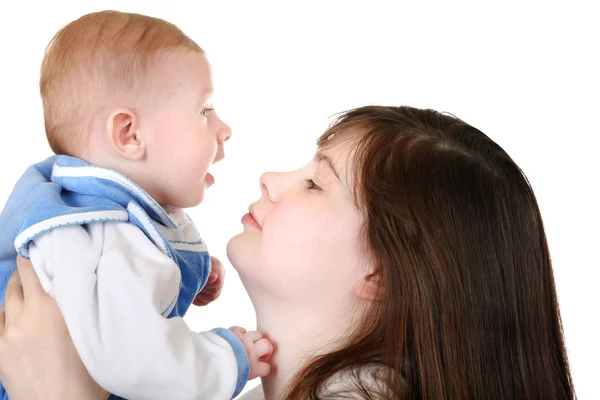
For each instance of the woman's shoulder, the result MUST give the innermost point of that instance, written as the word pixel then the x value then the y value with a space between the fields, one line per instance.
pixel 370 380
pixel 254 394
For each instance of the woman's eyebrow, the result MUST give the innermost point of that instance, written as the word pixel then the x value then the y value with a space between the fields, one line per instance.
pixel 320 157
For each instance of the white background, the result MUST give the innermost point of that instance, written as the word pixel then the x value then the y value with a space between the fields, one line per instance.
pixel 526 74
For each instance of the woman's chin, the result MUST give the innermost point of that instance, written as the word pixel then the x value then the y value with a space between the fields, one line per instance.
pixel 237 251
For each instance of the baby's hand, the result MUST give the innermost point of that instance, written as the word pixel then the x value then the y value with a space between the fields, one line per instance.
pixel 259 351
pixel 214 285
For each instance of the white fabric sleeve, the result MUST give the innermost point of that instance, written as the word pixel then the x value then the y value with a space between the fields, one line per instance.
pixel 112 285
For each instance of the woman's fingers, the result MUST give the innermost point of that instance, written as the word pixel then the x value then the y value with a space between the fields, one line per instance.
pixel 29 279
pixel 13 298
pixel 2 320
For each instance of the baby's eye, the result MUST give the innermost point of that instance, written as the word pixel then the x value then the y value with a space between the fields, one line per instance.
pixel 311 185
pixel 207 111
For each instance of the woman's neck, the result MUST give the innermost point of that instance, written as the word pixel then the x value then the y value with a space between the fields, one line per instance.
pixel 298 333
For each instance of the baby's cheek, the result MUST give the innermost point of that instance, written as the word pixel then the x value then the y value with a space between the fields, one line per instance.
pixel 203 160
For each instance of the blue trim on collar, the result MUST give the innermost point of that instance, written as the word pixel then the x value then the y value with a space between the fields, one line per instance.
pixel 69 171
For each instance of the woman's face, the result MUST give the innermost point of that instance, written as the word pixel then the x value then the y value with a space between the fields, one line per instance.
pixel 300 242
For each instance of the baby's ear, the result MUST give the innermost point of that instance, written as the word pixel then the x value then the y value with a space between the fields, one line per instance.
pixel 369 288
pixel 122 130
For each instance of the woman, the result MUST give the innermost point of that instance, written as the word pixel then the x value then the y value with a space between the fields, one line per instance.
pixel 407 260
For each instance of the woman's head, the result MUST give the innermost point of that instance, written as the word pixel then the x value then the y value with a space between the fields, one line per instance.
pixel 439 229
pixel 300 243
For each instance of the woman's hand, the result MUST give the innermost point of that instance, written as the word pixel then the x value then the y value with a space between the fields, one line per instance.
pixel 37 357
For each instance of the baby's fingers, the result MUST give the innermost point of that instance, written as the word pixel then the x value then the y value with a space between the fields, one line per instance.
pixel 238 330
pixel 253 336
pixel 262 369
pixel 263 349
pixel 203 300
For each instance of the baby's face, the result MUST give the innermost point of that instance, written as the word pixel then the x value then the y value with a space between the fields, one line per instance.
pixel 183 134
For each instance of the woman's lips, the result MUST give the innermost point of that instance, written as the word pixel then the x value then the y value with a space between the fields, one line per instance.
pixel 248 219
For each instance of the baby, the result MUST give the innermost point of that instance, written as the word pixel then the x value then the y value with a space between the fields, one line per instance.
pixel 128 111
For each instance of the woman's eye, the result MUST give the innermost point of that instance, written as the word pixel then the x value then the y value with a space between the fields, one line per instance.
pixel 311 185
pixel 206 112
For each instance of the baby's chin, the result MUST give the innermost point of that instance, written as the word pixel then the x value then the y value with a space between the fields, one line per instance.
pixel 189 201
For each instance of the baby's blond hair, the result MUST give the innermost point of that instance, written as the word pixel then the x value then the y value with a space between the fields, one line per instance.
pixel 100 56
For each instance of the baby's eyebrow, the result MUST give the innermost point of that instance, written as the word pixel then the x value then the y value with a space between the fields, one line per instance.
pixel 206 92
pixel 320 157
pixel 203 95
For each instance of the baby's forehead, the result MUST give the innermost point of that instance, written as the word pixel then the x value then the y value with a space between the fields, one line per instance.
pixel 183 70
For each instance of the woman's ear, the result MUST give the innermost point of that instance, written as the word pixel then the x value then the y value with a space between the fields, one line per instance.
pixel 369 288
pixel 122 130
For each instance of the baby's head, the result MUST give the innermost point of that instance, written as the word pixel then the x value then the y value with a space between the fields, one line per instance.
pixel 134 93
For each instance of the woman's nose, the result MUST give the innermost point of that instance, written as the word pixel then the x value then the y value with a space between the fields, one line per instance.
pixel 264 182
pixel 272 185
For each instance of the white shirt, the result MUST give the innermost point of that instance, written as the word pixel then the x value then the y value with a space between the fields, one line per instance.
pixel 254 394
pixel 342 382
pixel 112 284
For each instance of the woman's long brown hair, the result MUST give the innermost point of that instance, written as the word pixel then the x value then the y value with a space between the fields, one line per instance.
pixel 456 236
